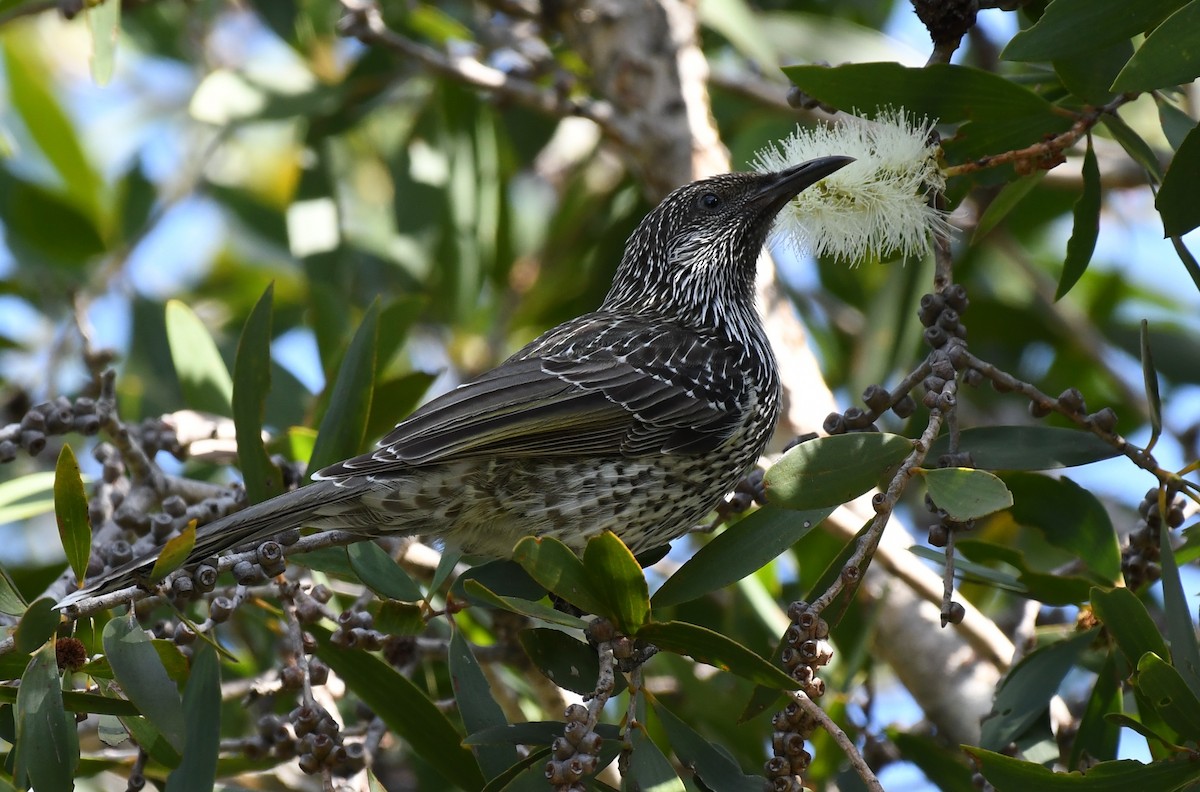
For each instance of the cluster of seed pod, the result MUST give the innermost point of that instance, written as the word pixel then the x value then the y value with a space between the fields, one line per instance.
pixel 806 649
pixel 1071 402
pixel 1140 558
pixel 575 753
pixel 356 630
pixel 47 419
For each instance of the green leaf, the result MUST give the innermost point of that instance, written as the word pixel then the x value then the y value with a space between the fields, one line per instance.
pixel 47 743
pixel 202 374
pixel 532 733
pixel 714 649
pixel 477 706
pixel 1129 622
pixel 75 701
pixel 1027 447
pixel 1176 124
pixel 745 547
pixel 71 512
pixel 1070 517
pixel 33 96
pixel 20 491
pixel 648 769
pixel 966 493
pixel 945 768
pixel 1134 145
pixel 1090 76
pixel 152 741
pixel 1008 198
pixel 251 382
pixel 11 601
pixel 104 22
pixel 1087 226
pixel 406 710
pixel 1006 773
pixel 37 625
pixel 1185 653
pixel 395 399
pixel 343 429
pixel 1150 380
pixel 43 228
pixel 1052 588
pixel 397 618
pixel 1176 200
pixel 617 578
pixel 535 610
pixel 552 564
pixel 202 707
pixel 1025 693
pixel 1169 56
pixel 829 471
pixel 172 659
pixel 1166 690
pixel 566 661
pixel 710 764
pixel 380 572
pixel 1079 27
pixel 143 678
pixel 1098 735
pixel 175 552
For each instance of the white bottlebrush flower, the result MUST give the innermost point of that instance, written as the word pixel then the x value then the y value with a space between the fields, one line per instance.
pixel 877 206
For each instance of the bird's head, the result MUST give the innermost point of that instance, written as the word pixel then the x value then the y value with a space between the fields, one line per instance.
pixel 694 255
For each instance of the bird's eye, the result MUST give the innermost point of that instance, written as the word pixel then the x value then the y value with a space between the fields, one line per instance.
pixel 709 201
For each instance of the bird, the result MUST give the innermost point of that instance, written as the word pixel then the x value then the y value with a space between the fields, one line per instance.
pixel 638 417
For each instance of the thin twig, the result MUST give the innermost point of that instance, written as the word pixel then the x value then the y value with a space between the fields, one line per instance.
pixel 859 764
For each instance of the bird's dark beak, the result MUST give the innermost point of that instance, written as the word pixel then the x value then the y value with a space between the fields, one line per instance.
pixel 783 186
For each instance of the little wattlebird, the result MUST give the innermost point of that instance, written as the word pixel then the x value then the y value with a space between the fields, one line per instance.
pixel 636 418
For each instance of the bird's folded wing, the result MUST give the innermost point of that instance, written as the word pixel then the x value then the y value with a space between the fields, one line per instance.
pixel 607 402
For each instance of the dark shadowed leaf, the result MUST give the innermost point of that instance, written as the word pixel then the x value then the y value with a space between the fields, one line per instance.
pixel 966 493
pixel 381 573
pixel 745 547
pixel 1077 27
pixel 405 709
pixel 174 552
pixel 1089 76
pixel 1127 619
pixel 711 765
pixel 36 626
pixel 76 701
pixel 1169 56
pixel 1052 588
pixel 618 579
pixel 947 769
pixel 1150 381
pixel 1176 124
pixel 142 677
pixel 478 592
pixel 1098 735
pixel 71 512
pixel 552 564
pixel 532 733
pixel 397 618
pixel 395 399
pixel 1170 695
pixel 566 661
pixel 344 427
pixel 1087 226
pixel 1185 653
pixel 1176 200
pixel 1008 198
pixel 1134 145
pixel 714 649
pixel 202 375
pixel 47 746
pixel 1027 447
pixel 504 577
pixel 197 770
pixel 1026 692
pixel 251 382
pixel 648 769
pixel 829 471
pixel 1069 517
pixel 11 601
pixel 1006 773
pixel 477 706
pixel 151 740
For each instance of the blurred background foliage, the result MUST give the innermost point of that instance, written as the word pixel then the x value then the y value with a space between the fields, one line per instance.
pixel 220 148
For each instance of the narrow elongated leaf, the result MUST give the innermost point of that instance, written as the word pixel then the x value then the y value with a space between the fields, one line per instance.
pixel 1005 773
pixel 151 740
pixel 202 374
pixel 1086 227
pixel 1098 735
pixel 202 705
pixel 1134 145
pixel 47 744
pixel 37 625
pixel 648 769
pixel 1185 653
pixel 11 601
pixel 532 733
pixel 1169 56
pixel 566 661
pixel 1026 692
pixel 104 22
pixel 76 701
pixel 477 706
pixel 251 382
pixel 829 471
pixel 71 512
pixel 405 709
pixel 745 547
pixel 343 429
pixel 381 573
pixel 552 564
pixel 142 677
pixel 1176 124
pixel 714 649
pixel 711 765
pixel 174 552
pixel 967 493
pixel 1027 447
pixel 1077 27
pixel 534 610
pixel 1174 201
pixel 1175 703
pixel 1127 619
pixel 617 578
pixel 1150 380
pixel 1009 197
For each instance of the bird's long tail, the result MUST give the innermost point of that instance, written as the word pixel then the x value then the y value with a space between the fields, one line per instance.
pixel 291 510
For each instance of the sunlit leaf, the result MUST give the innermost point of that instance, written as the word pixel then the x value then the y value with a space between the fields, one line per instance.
pixel 175 552
pixel 552 564
pixel 617 578
pixel 1165 688
pixel 202 374
pixel 71 512
pixel 966 493
pixel 1005 772
pixel 830 471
